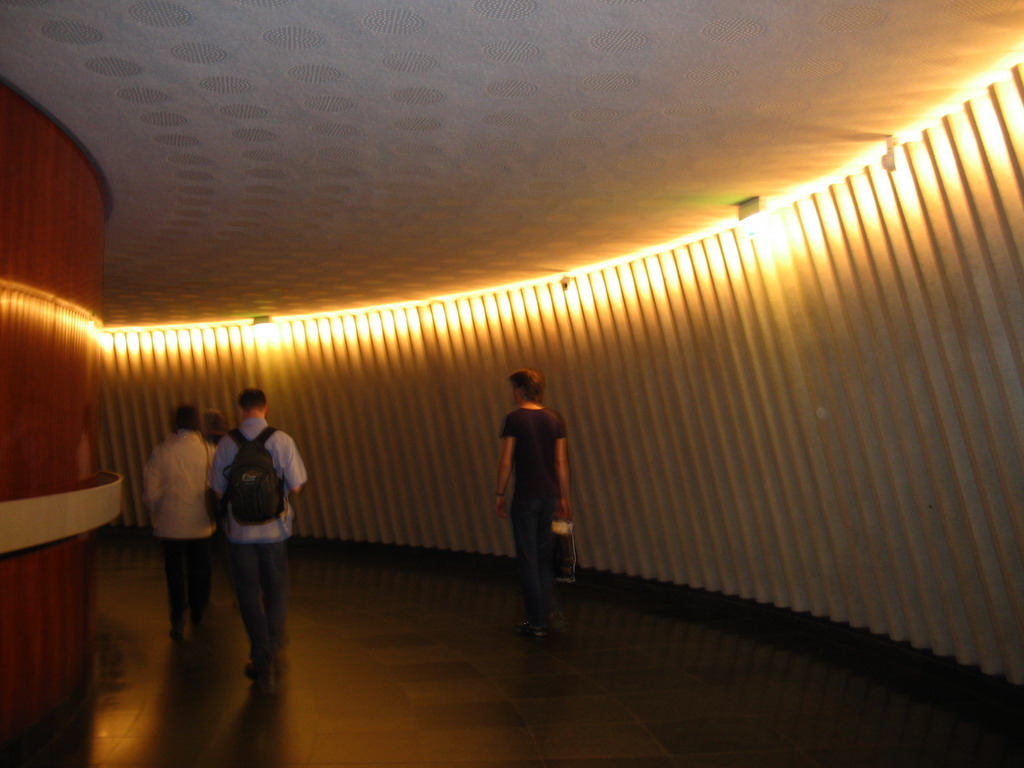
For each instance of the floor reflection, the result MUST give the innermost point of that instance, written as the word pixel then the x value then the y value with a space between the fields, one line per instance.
pixel 407 658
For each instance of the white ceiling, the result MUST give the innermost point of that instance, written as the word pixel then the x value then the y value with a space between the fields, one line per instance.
pixel 289 156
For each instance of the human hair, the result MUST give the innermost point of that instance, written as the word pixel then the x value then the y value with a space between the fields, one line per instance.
pixel 252 398
pixel 214 422
pixel 530 381
pixel 186 417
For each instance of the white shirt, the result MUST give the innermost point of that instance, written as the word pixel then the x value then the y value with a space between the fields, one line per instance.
pixel 174 487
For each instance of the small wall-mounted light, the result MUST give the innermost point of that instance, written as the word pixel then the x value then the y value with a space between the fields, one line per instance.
pixel 751 217
pixel 889 158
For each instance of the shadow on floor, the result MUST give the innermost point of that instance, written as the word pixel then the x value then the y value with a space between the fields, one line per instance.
pixel 401 657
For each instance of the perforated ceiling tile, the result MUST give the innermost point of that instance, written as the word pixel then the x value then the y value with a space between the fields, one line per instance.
pixel 418 95
pixel 225 84
pixel 328 104
pixel 816 68
pixel 689 111
pixel 339 171
pixel 253 134
pixel 157 13
pixel 143 95
pixel 338 153
pixel 198 53
pixel 611 81
pixel 596 115
pixel 618 40
pixel 408 61
pixel 487 113
pixel 418 124
pixel 512 89
pixel 980 9
pixel 335 130
pixel 71 32
pixel 418 149
pixel 782 107
pixel 165 119
pixel 852 18
pixel 732 31
pixel 713 74
pixel 188 159
pixel 505 9
pixel 315 73
pixel 507 119
pixel 663 140
pixel 512 51
pixel 294 38
pixel 177 140
pixel 112 66
pixel 244 111
pixel 394 21
pixel 580 142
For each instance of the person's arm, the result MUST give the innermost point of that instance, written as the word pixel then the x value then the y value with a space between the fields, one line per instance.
pixel 564 511
pixel 508 445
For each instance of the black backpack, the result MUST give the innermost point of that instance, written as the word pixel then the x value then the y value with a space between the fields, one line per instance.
pixel 255 492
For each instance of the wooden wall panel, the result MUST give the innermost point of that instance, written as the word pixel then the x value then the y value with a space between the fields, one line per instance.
pixel 51 261
pixel 827 417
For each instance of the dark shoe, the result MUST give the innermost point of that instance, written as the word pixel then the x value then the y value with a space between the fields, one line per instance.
pixel 264 678
pixel 177 629
pixel 529 630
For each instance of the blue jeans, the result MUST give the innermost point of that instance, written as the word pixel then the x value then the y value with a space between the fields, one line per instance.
pixel 531 528
pixel 260 574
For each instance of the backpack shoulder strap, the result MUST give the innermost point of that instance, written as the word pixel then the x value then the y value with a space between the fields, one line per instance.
pixel 263 436
pixel 238 437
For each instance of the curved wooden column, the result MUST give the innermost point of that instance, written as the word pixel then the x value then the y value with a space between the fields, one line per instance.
pixel 51 262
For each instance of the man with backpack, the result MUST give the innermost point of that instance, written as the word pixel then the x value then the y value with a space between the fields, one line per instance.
pixel 254 471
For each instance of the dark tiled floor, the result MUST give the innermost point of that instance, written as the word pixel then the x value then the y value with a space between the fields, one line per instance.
pixel 400 658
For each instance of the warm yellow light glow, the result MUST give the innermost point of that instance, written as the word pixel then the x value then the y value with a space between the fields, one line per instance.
pixel 670 262
pixel 266 334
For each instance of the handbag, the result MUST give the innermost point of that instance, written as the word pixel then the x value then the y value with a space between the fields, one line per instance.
pixel 564 551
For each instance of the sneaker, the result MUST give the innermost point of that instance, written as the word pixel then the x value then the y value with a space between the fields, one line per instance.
pixel 529 630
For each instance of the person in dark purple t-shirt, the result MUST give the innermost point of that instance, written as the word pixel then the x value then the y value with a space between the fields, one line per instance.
pixel 533 445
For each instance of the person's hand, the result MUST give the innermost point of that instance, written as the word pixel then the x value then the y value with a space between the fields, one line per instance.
pixel 564 510
pixel 499 507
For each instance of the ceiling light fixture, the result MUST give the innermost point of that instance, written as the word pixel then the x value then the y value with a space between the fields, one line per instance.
pixel 751 217
pixel 889 158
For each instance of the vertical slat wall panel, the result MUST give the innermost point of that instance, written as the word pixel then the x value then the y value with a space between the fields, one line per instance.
pixel 828 417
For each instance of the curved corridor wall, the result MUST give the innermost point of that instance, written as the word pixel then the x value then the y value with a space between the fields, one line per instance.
pixel 51 271
pixel 828 417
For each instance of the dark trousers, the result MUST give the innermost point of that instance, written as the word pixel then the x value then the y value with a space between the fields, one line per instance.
pixel 260 575
pixel 187 563
pixel 531 528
